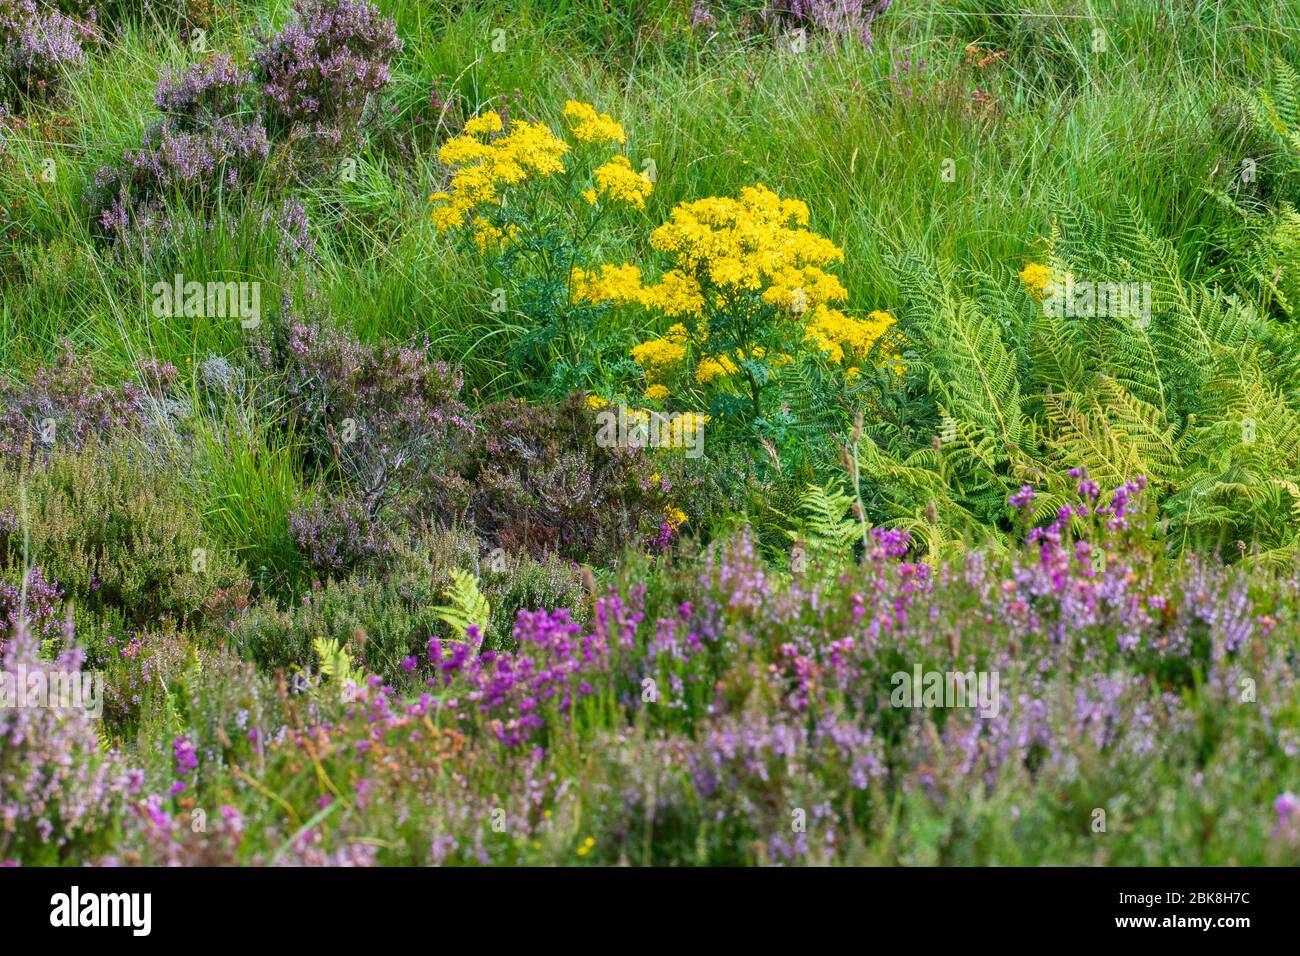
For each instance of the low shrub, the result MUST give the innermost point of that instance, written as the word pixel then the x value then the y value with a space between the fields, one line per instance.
pixel 386 417
pixel 542 483
pixel 384 615
pixel 37 45
pixel 321 70
pixel 118 532
pixel 61 405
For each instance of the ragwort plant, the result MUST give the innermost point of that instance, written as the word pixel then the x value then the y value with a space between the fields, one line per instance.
pixel 533 204
pixel 748 287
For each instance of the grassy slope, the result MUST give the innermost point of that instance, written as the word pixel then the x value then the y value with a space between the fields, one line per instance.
pixel 713 115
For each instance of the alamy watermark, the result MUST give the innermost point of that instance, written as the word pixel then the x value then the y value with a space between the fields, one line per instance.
pixel 42 688
pixel 1087 300
pixel 923 688
pixel 130 910
pixel 641 428
pixel 208 300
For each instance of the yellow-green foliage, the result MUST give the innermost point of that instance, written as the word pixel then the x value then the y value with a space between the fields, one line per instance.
pixel 468 607
pixel 117 530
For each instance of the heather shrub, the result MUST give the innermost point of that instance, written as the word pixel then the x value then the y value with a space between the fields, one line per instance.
pixel 117 530
pixel 514 583
pixel 209 147
pixel 321 70
pixel 212 714
pixel 37 46
pixel 386 417
pixel 710 700
pixel 387 613
pixel 335 533
pixel 58 789
pixel 840 19
pixel 35 606
pixel 542 483
pixel 383 616
pixel 139 667
pixel 61 405
pixel 203 96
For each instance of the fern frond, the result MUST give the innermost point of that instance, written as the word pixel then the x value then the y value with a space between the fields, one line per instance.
pixel 468 607
pixel 336 661
pixel 826 524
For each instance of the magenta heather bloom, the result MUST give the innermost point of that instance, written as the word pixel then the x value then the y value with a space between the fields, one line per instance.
pixel 1287 806
pixel 184 755
pixel 553 667
pixel 184 759
pixel 1023 499
pixel 42 600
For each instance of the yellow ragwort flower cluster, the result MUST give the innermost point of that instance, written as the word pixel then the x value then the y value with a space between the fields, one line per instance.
pixel 620 285
pixel 618 181
pixel 588 126
pixel 484 161
pixel 836 333
pixel 488 158
pixel 1037 277
pixel 728 252
pixel 712 367
pixel 658 356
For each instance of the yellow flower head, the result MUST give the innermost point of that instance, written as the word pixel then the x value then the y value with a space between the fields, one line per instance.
pixel 590 126
pixel 658 355
pixel 656 393
pixel 836 333
pixel 621 183
pixel 1037 277
pixel 712 367
pixel 481 171
pixel 754 243
pixel 676 294
pixel 484 124
pixel 617 284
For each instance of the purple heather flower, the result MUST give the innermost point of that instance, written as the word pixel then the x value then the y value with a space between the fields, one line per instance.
pixel 1022 499
pixel 1287 805
pixel 184 756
